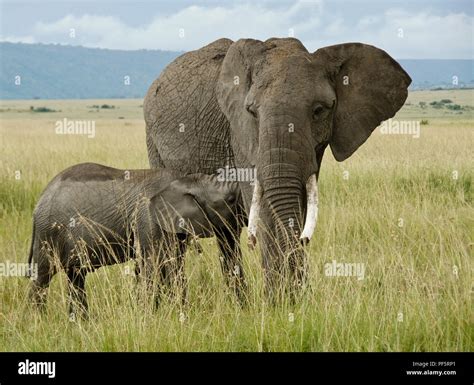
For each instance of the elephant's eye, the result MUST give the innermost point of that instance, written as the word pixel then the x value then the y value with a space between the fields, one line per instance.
pixel 251 109
pixel 231 198
pixel 318 109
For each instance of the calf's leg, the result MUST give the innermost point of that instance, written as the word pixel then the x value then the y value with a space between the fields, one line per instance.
pixel 77 292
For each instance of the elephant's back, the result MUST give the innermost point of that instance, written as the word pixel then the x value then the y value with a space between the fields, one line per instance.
pixel 90 171
pixel 182 115
pixel 190 69
pixel 87 189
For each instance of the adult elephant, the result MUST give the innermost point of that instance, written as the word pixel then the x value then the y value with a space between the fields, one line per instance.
pixel 275 107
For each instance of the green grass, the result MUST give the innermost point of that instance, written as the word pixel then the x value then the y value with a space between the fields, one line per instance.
pixel 405 212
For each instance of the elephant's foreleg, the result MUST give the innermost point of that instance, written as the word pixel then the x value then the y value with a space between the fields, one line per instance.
pixel 150 274
pixel 148 261
pixel 172 267
pixel 231 262
pixel 77 292
pixel 181 281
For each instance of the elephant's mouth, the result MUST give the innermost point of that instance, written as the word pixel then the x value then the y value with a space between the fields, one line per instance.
pixel 312 202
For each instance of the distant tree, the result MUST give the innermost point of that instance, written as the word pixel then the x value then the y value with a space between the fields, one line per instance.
pixel 455 107
pixel 436 104
pixel 41 109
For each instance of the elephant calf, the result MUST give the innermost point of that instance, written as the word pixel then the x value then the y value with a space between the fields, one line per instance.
pixel 91 215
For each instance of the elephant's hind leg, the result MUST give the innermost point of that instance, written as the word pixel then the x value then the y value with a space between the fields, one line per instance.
pixel 39 290
pixel 41 272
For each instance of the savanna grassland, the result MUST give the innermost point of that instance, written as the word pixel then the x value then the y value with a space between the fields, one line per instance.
pixel 401 205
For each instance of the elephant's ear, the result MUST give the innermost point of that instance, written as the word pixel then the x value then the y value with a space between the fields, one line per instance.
pixel 233 85
pixel 235 77
pixel 175 209
pixel 370 86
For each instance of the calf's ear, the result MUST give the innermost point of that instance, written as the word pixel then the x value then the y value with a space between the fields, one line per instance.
pixel 176 210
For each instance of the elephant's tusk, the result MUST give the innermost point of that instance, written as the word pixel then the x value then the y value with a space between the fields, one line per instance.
pixel 254 214
pixel 311 209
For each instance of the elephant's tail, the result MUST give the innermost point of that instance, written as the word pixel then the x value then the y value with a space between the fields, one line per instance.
pixel 32 245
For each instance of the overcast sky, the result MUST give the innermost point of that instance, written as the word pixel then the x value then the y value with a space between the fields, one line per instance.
pixel 406 29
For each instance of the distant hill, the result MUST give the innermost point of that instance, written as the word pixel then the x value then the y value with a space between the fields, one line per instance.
pixel 435 73
pixel 50 71
pixel 68 72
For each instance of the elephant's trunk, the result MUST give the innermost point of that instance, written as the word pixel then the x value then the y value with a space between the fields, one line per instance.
pixel 312 201
pixel 282 189
pixel 285 204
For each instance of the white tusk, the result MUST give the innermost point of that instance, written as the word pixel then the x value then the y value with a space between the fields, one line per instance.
pixel 254 213
pixel 311 208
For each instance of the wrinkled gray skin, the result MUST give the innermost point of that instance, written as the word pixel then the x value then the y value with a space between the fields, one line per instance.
pixel 91 215
pixel 235 102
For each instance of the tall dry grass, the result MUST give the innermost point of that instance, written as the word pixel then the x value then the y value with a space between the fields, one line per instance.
pixel 402 206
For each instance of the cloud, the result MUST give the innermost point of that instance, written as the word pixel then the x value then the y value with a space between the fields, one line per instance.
pixel 187 29
pixel 18 39
pixel 419 35
pixel 403 34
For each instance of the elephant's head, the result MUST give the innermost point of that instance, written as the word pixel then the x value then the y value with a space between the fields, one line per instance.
pixel 285 105
pixel 196 204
